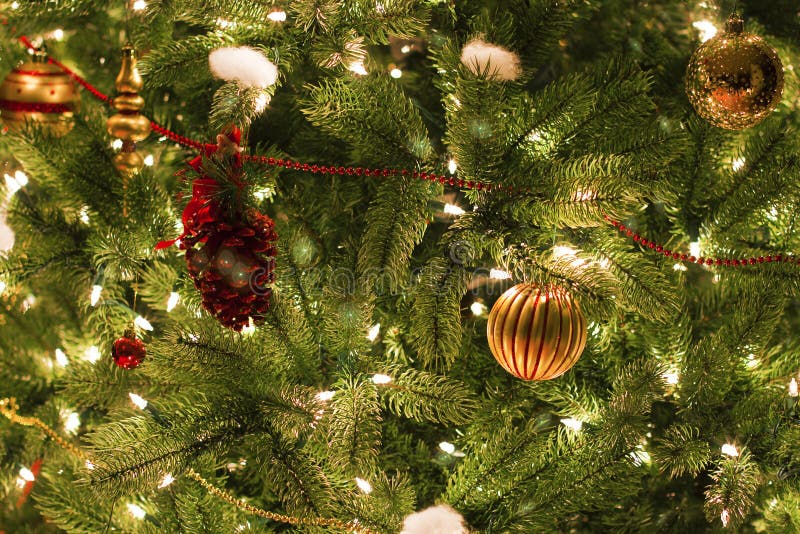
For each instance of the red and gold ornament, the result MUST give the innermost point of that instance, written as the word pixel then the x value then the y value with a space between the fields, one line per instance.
pixel 536 333
pixel 128 351
pixel 40 92
pixel 231 258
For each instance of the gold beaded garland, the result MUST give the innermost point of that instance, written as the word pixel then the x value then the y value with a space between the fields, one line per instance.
pixel 735 79
pixel 536 333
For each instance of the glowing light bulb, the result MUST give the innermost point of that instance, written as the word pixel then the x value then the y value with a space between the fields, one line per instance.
pixel 694 249
pixel 72 422
pixel 61 358
pixel 261 102
pixel 447 447
pixel 372 335
pixel 92 354
pixel 136 511
pixel 793 388
pixel 139 5
pixel 498 274
pixel 478 308
pixel 26 474
pixel 166 480
pixel 725 517
pixel 116 144
pixel 358 68
pixel 452 166
pixel 363 485
pixel 572 423
pixel 14 5
pixel 149 160
pixel 143 323
pixel 730 449
pixel 172 301
pixel 381 379
pixel 12 185
pixel 277 16
pixel 324 396
pixel 671 377
pixel 680 267
pixel 2 287
pixel 452 209
pixel 737 164
pixel 89 465
pixel 395 73
pixel 250 328
pixel 58 34
pixel 83 215
pixel 706 29
pixel 137 401
pixel 405 49
pixel 94 298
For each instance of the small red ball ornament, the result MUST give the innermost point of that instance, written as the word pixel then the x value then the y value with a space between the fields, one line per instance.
pixel 536 333
pixel 128 351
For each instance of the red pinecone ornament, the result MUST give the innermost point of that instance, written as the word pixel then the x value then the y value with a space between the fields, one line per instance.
pixel 234 268
pixel 128 351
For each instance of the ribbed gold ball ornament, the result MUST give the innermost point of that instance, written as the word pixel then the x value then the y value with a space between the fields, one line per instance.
pixel 536 333
pixel 735 79
pixel 39 92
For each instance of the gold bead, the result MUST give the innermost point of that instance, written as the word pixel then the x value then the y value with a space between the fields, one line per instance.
pixel 735 79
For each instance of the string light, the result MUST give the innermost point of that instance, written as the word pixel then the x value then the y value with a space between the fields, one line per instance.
pixel 752 361
pixel 143 323
pixel 363 485
pixel 149 160
pixel 172 301
pixel 730 449
pixel 2 287
pixel 28 303
pixel 94 298
pixel 725 517
pixel 706 28
pixel 139 5
pixel 72 422
pixel 372 335
pixel 83 215
pixel 25 476
pixel 572 423
pixel 380 379
pixel 452 209
pixel 58 34
pixel 447 447
pixel 499 274
pixel 694 248
pixel 92 354
pixel 737 164
pixel 250 328
pixel 14 5
pixel 261 102
pixel 116 144
pixel 478 308
pixel 89 465
pixel 138 401
pixel 680 267
pixel 395 73
pixel 358 68
pixel 793 387
pixel 16 182
pixel 166 480
pixel 277 16
pixel 61 358
pixel 671 377
pixel 136 511
pixel 324 396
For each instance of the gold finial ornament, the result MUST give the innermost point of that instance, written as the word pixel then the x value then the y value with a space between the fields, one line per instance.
pixel 39 92
pixel 128 123
pixel 735 79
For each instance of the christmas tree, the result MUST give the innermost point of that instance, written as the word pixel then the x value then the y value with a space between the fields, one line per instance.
pixel 392 266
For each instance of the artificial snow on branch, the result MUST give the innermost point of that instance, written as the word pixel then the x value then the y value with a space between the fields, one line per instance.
pixel 500 63
pixel 439 519
pixel 248 66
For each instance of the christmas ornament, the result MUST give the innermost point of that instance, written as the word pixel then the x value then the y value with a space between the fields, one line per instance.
pixel 128 124
pixel 493 60
pixel 39 92
pixel 735 79
pixel 230 256
pixel 128 351
pixel 536 333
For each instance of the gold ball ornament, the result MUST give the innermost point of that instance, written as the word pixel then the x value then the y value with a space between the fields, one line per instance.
pixel 39 92
pixel 536 333
pixel 735 79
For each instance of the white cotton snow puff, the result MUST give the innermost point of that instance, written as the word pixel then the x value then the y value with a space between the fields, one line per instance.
pixel 246 65
pixel 439 519
pixel 501 64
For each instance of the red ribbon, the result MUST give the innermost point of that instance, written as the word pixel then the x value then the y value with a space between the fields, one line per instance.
pixel 202 209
